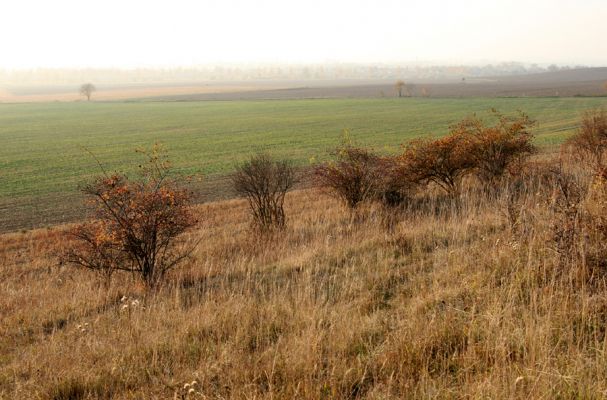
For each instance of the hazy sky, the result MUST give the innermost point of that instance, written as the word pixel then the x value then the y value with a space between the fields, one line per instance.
pixel 130 33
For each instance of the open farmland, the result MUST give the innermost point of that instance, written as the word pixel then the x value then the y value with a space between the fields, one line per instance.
pixel 69 93
pixel 43 154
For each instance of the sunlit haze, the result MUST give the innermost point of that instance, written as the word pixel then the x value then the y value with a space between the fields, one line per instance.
pixel 154 33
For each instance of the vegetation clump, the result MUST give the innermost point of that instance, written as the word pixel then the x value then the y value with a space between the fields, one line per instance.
pixel 590 141
pixel 495 149
pixel 136 223
pixel 353 177
pixel 264 183
pixel 395 185
pixel 443 161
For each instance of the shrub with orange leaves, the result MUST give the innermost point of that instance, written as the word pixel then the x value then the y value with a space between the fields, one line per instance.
pixel 494 149
pixel 136 223
pixel 590 141
pixel 353 177
pixel 442 161
pixel 394 182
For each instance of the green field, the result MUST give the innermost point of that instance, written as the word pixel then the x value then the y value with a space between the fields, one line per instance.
pixel 43 157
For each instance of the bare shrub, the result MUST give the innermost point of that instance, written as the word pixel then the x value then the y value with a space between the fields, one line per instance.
pixel 264 182
pixel 442 161
pixel 495 148
pixel 136 223
pixel 590 141
pixel 352 178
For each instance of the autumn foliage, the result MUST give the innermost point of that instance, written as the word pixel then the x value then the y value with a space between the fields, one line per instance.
pixel 394 185
pixel 352 176
pixel 135 224
pixel 443 161
pixel 493 149
pixel 472 146
pixel 590 141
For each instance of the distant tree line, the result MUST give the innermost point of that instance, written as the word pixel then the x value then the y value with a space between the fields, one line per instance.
pixel 56 76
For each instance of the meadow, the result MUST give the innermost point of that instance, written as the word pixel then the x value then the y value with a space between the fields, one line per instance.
pixel 441 300
pixel 45 146
pixel 487 294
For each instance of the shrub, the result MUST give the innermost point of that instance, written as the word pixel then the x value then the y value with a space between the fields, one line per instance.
pixel 494 149
pixel 264 182
pixel 394 183
pixel 443 161
pixel 136 225
pixel 590 141
pixel 352 178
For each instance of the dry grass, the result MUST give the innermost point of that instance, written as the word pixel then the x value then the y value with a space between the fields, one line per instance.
pixel 445 300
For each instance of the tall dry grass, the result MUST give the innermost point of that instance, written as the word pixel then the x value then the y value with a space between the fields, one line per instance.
pixel 447 298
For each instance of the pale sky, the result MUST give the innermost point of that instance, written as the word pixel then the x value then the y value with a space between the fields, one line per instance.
pixel 160 33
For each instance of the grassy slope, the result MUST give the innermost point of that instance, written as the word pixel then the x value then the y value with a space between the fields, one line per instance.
pixel 447 304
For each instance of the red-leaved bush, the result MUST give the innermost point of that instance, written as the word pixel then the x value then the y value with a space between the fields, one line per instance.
pixel 590 141
pixel 493 149
pixel 352 177
pixel 442 161
pixel 136 223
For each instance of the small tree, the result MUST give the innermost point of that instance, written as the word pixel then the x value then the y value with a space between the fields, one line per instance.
pixel 87 90
pixel 410 89
pixel 264 182
pixel 353 177
pixel 590 140
pixel 494 149
pixel 136 223
pixel 442 161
